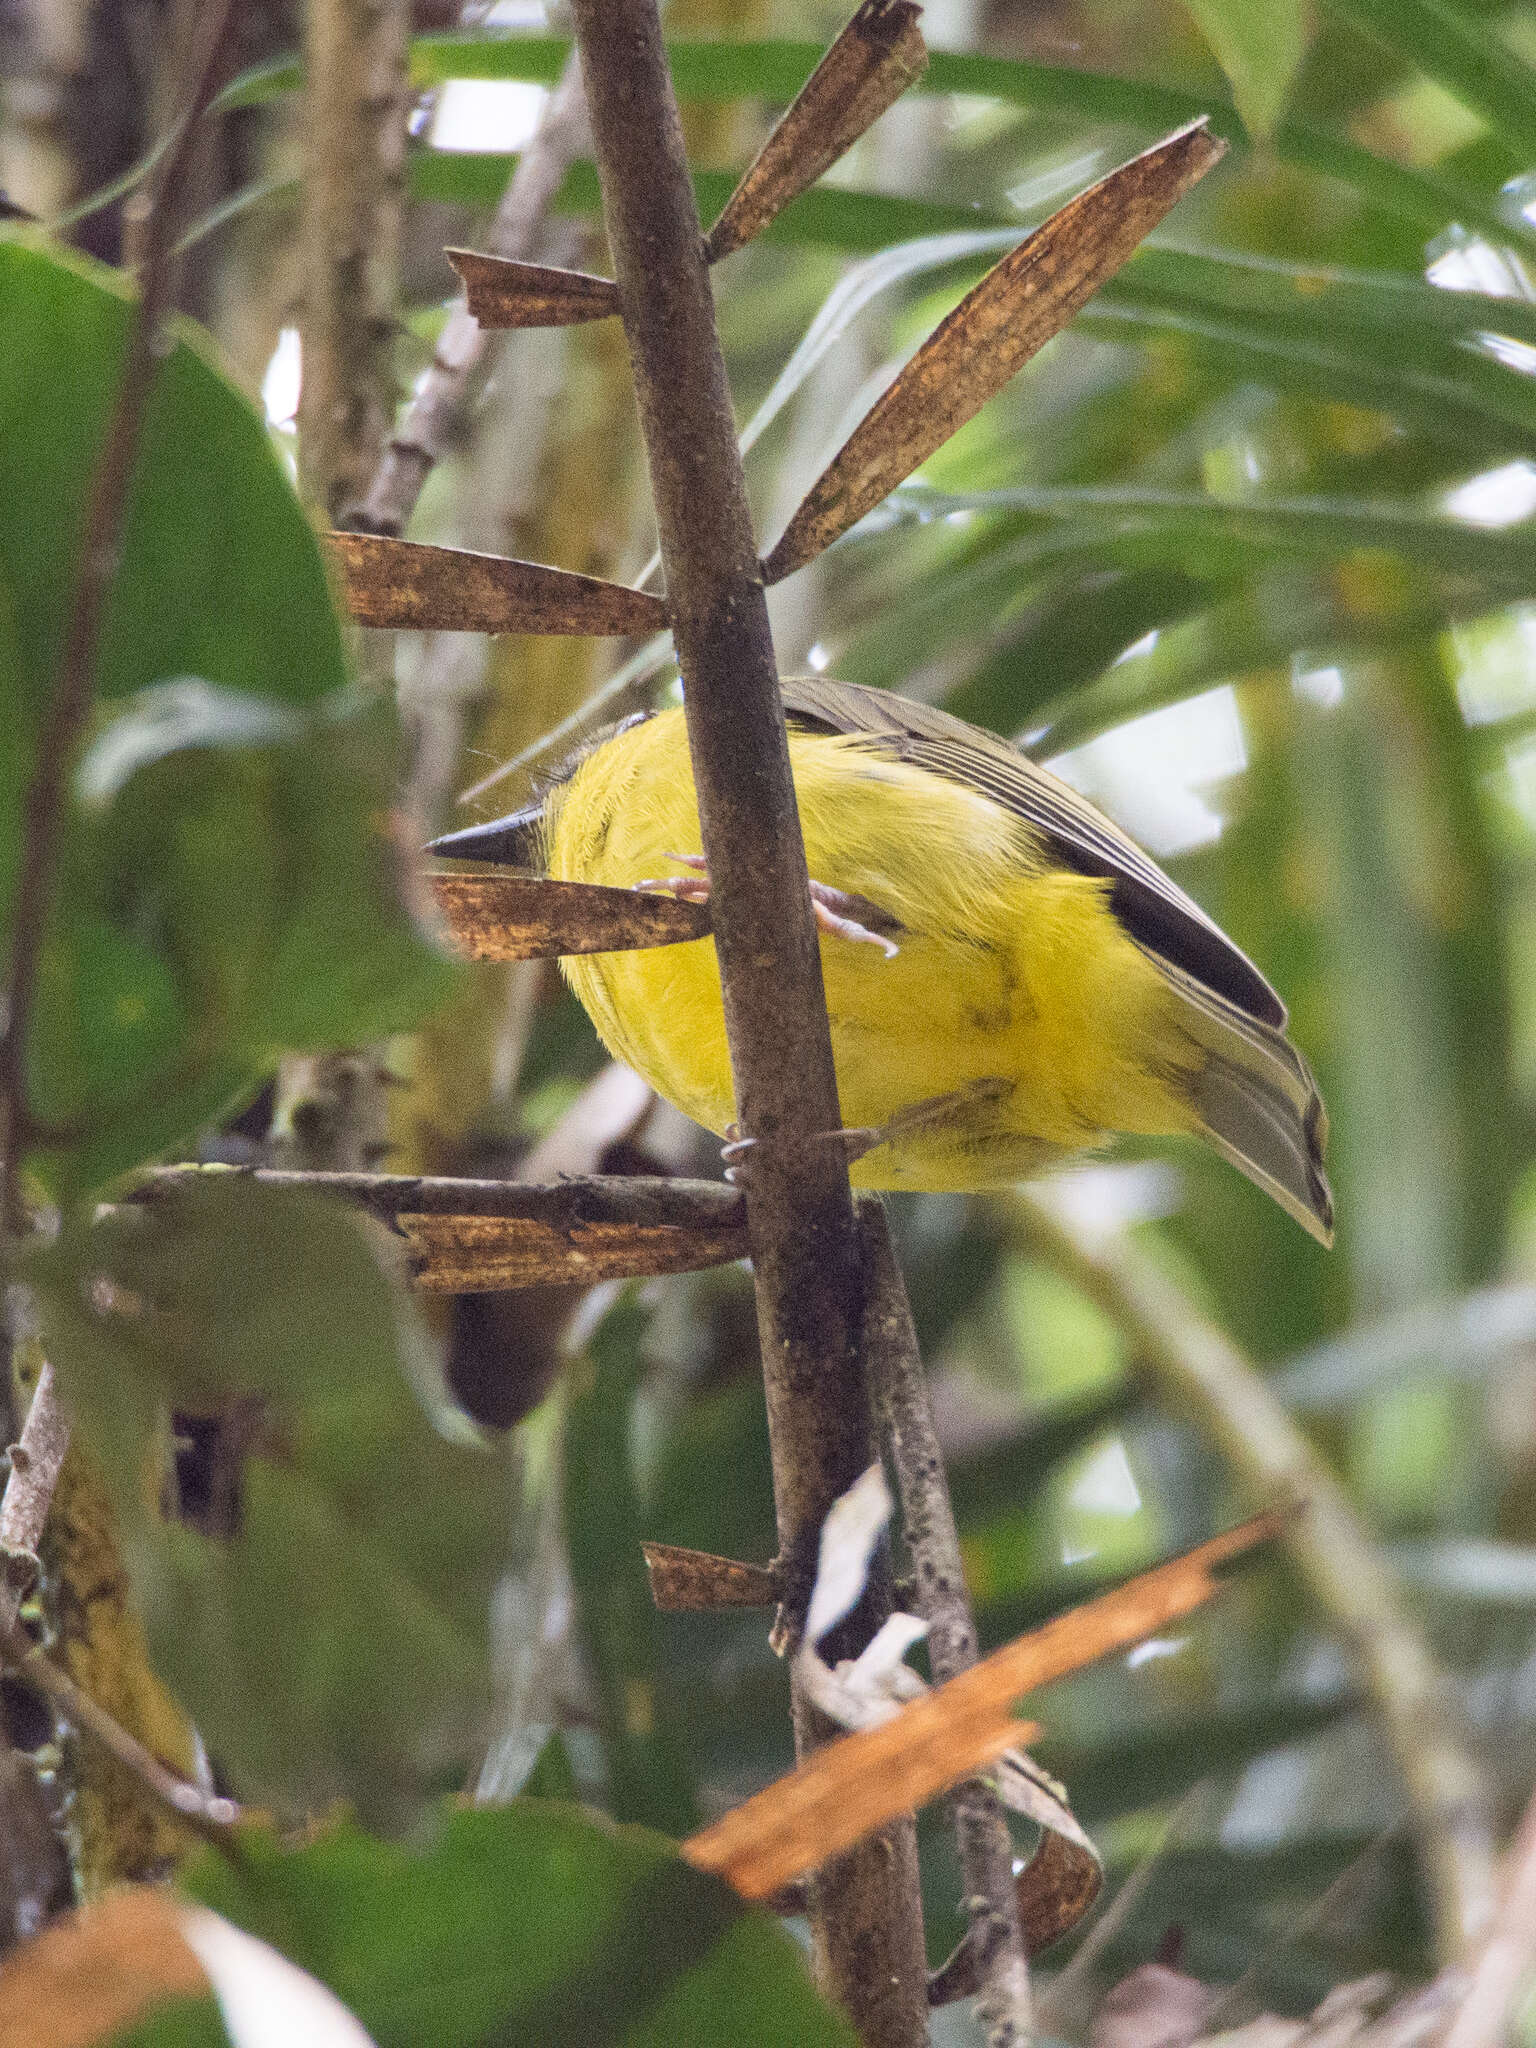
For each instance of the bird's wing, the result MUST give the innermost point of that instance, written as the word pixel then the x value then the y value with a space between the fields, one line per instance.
pixel 1155 911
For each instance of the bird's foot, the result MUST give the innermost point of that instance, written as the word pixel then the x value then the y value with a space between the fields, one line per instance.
pixel 851 917
pixel 686 888
pixel 738 1150
pixel 839 914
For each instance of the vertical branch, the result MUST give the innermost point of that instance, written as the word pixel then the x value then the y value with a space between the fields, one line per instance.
pixel 900 1396
pixel 435 410
pixel 35 1461
pixel 331 1109
pixel 356 102
pixel 800 1210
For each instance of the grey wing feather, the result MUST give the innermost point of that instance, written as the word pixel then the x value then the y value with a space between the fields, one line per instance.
pixel 1153 909
pixel 1259 1104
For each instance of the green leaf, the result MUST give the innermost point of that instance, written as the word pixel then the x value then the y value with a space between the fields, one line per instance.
pixel 642 1741
pixel 772 69
pixel 533 1924
pixel 1465 1337
pixel 219 572
pixel 1462 50
pixel 832 215
pixel 227 893
pixel 225 885
pixel 1292 612
pixel 1259 44
pixel 1141 523
pixel 335 1646
pixel 187 712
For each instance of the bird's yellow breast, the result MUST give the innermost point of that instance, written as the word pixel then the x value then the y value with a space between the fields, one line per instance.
pixel 1016 1022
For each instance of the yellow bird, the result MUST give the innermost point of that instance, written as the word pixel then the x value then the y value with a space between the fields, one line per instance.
pixel 1010 980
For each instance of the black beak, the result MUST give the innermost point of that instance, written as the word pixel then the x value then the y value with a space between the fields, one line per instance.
pixel 509 842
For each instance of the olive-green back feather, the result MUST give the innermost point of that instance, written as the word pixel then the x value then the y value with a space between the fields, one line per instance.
pixel 1153 910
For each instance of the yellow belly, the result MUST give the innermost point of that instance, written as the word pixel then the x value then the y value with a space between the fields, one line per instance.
pixel 1016 1023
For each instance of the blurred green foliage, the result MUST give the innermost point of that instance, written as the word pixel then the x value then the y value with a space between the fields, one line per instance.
pixel 1249 552
pixel 225 887
pixel 528 1924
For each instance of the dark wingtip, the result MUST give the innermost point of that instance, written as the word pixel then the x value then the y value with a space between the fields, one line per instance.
pixel 509 842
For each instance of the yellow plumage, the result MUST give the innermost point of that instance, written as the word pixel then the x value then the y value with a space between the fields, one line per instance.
pixel 1050 987
pixel 1005 967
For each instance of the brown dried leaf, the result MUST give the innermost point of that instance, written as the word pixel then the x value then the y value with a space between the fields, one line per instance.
pixel 683 1580
pixel 408 583
pixel 991 334
pixel 1065 1875
pixel 871 64
pixel 486 1254
pixel 530 917
pixel 95 1973
pixel 853 1786
pixel 1056 1887
pixel 503 293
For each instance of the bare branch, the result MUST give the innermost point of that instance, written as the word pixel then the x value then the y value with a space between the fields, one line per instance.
pixel 438 405
pixel 503 293
pixel 992 334
pixel 35 1461
pixel 899 1394
pixel 205 1812
pixel 640 1200
pixel 356 100
pixel 873 61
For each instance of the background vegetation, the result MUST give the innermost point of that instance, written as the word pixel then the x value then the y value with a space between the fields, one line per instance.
pixel 1247 553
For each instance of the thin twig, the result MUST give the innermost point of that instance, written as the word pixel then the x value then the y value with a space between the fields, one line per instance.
pixel 208 1814
pixel 1054 2008
pixel 1198 1367
pixel 70 702
pixel 1241 1997
pixel 36 1458
pixel 437 408
pixel 899 1394
pixel 645 1199
pixel 866 1918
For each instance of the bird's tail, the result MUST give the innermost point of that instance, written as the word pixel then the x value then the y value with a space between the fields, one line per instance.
pixel 1258 1104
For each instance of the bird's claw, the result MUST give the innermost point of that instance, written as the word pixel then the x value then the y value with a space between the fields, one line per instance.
pixel 833 909
pixel 738 1150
